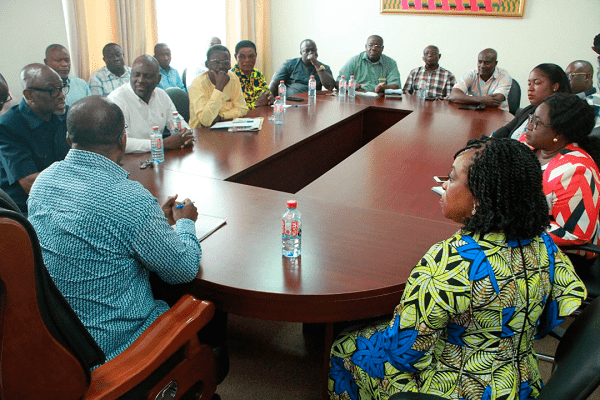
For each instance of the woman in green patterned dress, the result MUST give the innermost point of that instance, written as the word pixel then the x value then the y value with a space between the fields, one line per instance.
pixel 473 305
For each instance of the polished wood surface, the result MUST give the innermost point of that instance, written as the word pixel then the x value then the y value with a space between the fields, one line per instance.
pixel 363 170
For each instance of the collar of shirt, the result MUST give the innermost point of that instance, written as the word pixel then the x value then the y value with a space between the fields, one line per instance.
pixel 95 161
pixel 111 75
pixel 494 76
pixel 162 70
pixel 239 72
pixel 152 96
pixel 32 119
pixel 589 92
pixel 364 57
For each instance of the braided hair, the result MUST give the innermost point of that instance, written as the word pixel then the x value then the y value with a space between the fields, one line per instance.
pixel 505 179
pixel 574 119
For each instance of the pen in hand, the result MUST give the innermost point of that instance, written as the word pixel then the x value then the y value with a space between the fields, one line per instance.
pixel 181 205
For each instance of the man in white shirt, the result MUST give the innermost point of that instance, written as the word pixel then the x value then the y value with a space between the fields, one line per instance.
pixel 144 106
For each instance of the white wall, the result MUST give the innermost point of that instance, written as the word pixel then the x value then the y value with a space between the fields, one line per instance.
pixel 554 31
pixel 27 28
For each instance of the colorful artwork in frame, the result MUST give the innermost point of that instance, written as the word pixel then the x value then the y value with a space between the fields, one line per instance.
pixel 477 8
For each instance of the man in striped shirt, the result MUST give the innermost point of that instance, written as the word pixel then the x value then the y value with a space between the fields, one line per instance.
pixel 438 81
pixel 111 76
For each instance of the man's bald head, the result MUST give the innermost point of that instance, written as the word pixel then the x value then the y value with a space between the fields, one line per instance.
pixel 581 76
pixel 486 63
pixel 214 41
pixel 145 76
pixel 95 124
pixel 43 90
pixel 59 59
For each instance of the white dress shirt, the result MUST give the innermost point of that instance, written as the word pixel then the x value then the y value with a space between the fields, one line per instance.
pixel 141 117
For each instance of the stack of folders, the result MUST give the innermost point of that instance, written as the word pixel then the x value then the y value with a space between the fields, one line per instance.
pixel 393 93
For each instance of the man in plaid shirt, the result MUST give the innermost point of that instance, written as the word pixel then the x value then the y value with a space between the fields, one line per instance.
pixel 438 81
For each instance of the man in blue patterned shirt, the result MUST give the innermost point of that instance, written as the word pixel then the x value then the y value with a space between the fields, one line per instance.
pixel 101 234
pixel 111 76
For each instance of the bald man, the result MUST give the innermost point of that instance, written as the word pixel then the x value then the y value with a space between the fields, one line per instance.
pixel 581 78
pixel 145 105
pixel 373 70
pixel 488 84
pixel 32 135
pixel 94 226
pixel 59 59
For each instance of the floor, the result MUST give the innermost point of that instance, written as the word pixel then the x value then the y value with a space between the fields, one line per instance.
pixel 275 360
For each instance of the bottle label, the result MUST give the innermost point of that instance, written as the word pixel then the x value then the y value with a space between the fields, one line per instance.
pixel 158 142
pixel 283 233
pixel 294 230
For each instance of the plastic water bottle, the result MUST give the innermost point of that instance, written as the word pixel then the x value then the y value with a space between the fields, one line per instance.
pixel 281 91
pixel 175 123
pixel 312 86
pixel 421 92
pixel 278 111
pixel 156 142
pixel 342 87
pixel 291 234
pixel 352 86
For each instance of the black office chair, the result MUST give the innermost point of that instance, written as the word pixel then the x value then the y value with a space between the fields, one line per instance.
pixel 514 97
pixel 590 275
pixel 183 77
pixel 576 371
pixel 181 100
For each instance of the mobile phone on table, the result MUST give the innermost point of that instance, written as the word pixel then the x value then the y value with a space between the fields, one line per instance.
pixel 295 98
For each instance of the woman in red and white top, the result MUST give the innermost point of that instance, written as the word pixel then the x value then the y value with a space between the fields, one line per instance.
pixel 559 133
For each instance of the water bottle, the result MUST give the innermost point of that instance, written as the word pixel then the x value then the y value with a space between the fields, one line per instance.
pixel 175 123
pixel 291 234
pixel 352 86
pixel 278 111
pixel 421 92
pixel 312 86
pixel 156 142
pixel 281 91
pixel 342 87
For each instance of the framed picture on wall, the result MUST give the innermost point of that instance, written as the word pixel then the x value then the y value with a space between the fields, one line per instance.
pixel 475 8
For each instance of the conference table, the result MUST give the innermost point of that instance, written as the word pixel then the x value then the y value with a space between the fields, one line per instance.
pixel 361 170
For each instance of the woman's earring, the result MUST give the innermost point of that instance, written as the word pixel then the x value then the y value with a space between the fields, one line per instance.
pixel 474 210
pixel 555 140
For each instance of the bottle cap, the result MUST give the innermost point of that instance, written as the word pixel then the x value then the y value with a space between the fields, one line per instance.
pixel 351 76
pixel 175 113
pixel 281 81
pixel 155 128
pixel 292 204
pixel 343 76
pixel 312 76
pixel 277 98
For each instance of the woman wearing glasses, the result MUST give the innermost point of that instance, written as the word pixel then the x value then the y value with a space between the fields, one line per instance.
pixel 559 133
pixel 473 305
pixel 544 80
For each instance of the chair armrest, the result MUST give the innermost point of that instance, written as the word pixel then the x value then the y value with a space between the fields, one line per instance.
pixel 167 334
pixel 587 247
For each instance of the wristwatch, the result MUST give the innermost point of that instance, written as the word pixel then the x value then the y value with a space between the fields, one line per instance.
pixel 321 68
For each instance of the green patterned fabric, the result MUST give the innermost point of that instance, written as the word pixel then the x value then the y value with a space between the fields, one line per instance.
pixel 465 325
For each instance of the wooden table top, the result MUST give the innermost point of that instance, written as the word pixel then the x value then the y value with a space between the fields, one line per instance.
pixel 368 212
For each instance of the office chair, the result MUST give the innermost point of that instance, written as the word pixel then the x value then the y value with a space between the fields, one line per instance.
pixel 46 352
pixel 184 77
pixel 181 100
pixel 576 371
pixel 514 97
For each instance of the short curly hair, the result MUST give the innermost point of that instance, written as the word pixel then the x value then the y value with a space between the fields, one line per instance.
pixel 574 119
pixel 505 179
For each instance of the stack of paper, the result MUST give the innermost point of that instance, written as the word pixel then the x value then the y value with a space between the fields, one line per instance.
pixel 240 124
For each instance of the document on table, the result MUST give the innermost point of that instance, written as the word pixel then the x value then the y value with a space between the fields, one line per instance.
pixel 240 124
pixel 207 224
pixel 367 94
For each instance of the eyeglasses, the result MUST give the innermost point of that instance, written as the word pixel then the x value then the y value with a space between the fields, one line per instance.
pixel 572 74
pixel 431 53
pixel 242 57
pixel 535 122
pixel 2 103
pixel 54 92
pixel 124 131
pixel 220 62
pixel 374 46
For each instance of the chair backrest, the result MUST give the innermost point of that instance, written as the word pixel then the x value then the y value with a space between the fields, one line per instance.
pixel 577 359
pixel 514 97
pixel 181 100
pixel 184 77
pixel 37 355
